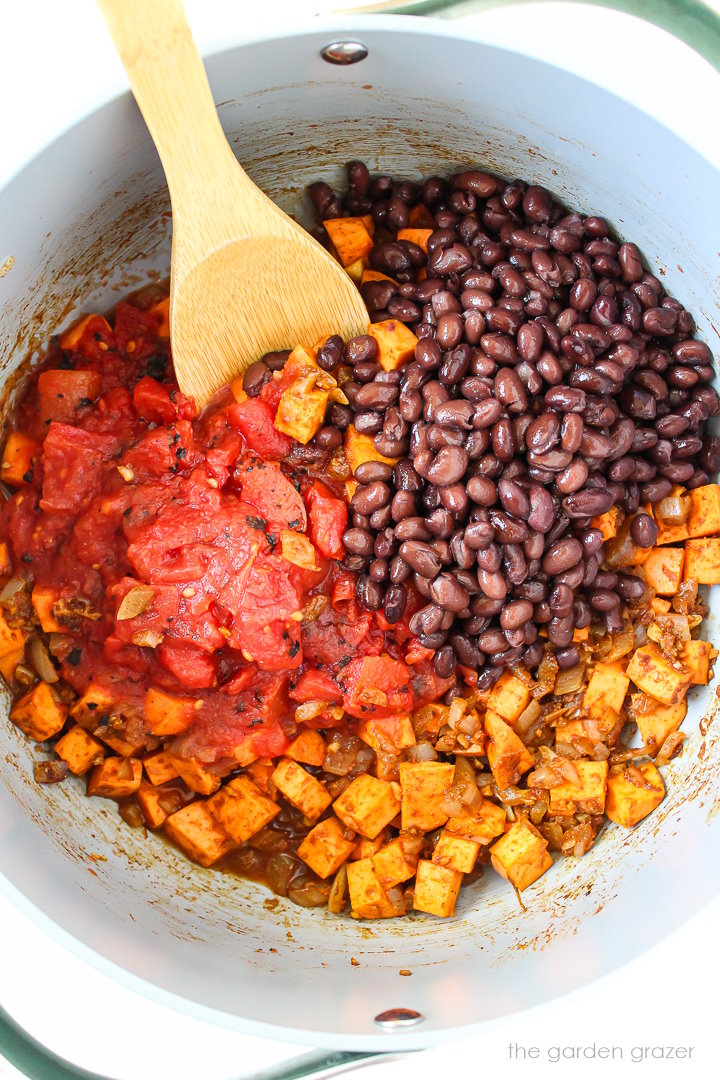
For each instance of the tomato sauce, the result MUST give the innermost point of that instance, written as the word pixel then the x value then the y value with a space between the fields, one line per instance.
pixel 170 537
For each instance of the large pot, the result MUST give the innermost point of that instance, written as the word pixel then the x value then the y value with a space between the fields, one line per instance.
pixel 86 221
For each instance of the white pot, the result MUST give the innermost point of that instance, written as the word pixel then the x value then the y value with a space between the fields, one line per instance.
pixel 86 221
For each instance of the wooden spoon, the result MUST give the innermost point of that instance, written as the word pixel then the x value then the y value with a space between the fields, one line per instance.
pixel 245 278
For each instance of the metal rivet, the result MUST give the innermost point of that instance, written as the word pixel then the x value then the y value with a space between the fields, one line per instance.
pixel 344 52
pixel 394 1018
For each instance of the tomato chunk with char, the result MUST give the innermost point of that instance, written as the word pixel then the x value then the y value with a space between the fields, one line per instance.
pixel 268 489
pixel 328 518
pixel 74 462
pixel 377 687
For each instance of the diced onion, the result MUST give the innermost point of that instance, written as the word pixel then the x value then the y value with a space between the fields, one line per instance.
pixel 673 510
pixel 10 591
pixel 40 660
pixel 135 602
pixel 527 717
pixel 422 751
pixel 571 680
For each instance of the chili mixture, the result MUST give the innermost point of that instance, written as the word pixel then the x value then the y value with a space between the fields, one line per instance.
pixel 391 610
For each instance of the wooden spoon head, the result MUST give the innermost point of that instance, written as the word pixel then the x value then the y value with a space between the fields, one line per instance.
pixel 251 296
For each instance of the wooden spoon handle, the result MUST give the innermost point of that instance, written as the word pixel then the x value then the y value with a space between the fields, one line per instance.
pixel 171 88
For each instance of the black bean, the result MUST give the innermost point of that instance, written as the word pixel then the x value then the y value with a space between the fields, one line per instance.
pixel 255 378
pixel 449 465
pixel 562 555
pixel 516 614
pixel 420 557
pixel 427 620
pixel 329 438
pixel 449 593
pixel 567 657
pixel 370 497
pixel 358 541
pixel 395 603
pixel 369 593
pixel 589 502
pixel 369 471
pixel 643 530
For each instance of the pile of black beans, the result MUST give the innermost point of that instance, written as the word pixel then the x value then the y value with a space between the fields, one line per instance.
pixel 553 378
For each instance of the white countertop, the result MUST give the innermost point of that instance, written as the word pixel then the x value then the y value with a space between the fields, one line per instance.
pixel 664 999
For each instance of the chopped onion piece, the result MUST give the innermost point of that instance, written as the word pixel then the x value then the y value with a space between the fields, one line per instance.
pixel 673 510
pixel 40 660
pixel 571 680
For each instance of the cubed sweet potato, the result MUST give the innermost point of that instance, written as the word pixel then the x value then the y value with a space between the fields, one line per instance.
pixel 436 889
pixel 360 448
pixel 609 523
pixel 326 848
pixel 704 516
pixel 389 737
pixel 350 238
pixel 665 680
pixel 12 639
pixel 367 805
pixel 424 786
pixel 195 830
pixel 261 771
pixel 664 569
pixel 375 275
pixel 656 721
pixel 507 754
pixel 43 599
pixel 301 789
pixel 483 824
pixel 80 750
pixel 241 809
pixel 39 714
pixel 633 792
pixel 167 714
pixel 196 777
pixel 16 468
pixel 150 803
pixel 5 562
pixel 93 707
pixel 589 797
pixel 521 855
pixel 308 747
pixel 396 343
pixel 509 697
pixel 455 852
pixel 397 861
pixel 301 410
pixel 71 338
pixel 416 236
pixel 702 561
pixel 606 689
pixel 162 311
pixel 160 767
pixel 366 848
pixel 368 898
pixel 698 655
pixel 115 778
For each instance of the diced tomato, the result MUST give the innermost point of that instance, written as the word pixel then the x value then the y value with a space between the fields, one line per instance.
pixel 159 617
pixel 73 463
pixel 164 450
pixel 314 685
pixel 265 485
pixel 190 665
pixel 334 639
pixel 136 330
pixel 417 653
pixel 254 420
pixel 328 518
pixel 242 680
pixel 343 590
pixel 62 393
pixel 161 402
pixel 96 339
pixel 377 686
pixel 225 722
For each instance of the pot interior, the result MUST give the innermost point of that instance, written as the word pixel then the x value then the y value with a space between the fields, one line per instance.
pixel 88 221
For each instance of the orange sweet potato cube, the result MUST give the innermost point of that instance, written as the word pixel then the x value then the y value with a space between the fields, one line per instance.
pixel 664 569
pixel 633 792
pixel 365 848
pixel 80 750
pixel 195 830
pixel 521 855
pixel 162 311
pixel 436 889
pixel 12 640
pixel 43 599
pixel 656 721
pixel 241 809
pixel 368 898
pixel 326 848
pixel 396 343
pixel 301 410
pixel 509 697
pixel 483 824
pixel 397 861
pixel 375 275
pixel 301 789
pixel 360 448
pixel 665 680
pixel 507 754
pixel 606 689
pixel 167 714
pixel 389 737
pixel 39 714
pixel 160 767
pixel 16 468
pixel 587 798
pixel 609 523
pixel 698 655
pixel 260 772
pixel 702 561
pixel 367 805
pixel 196 777
pixel 150 803
pixel 93 706
pixel 424 786
pixel 416 236
pixel 704 516
pixel 5 563
pixel 115 778
pixel 71 338
pixel 308 747
pixel 350 238
pixel 455 852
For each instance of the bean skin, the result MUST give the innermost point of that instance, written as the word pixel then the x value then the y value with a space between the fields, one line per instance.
pixel 563 555
pixel 449 593
pixel 420 557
